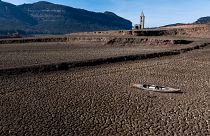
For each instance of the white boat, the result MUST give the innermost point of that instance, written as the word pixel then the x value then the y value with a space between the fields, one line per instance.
pixel 156 88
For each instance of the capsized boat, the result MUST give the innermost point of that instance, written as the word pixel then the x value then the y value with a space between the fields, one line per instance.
pixel 156 88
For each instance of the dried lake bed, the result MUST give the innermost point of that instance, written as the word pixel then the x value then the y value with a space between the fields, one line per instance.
pixel 98 100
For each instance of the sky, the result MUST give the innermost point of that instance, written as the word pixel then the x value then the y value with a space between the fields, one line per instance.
pixel 157 12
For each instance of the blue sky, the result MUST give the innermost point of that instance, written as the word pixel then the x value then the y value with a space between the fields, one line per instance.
pixel 157 12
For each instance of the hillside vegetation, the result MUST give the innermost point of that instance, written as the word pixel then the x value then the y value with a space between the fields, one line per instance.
pixel 48 18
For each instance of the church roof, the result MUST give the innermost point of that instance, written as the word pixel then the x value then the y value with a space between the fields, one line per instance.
pixel 142 13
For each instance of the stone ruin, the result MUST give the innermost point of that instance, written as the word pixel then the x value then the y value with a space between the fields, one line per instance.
pixel 142 22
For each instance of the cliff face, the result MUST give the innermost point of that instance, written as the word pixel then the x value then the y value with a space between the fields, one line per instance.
pixel 48 18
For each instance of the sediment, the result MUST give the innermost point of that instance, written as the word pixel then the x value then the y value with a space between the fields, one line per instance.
pixel 93 62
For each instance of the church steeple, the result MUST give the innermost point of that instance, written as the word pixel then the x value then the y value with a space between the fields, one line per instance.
pixel 142 20
pixel 142 13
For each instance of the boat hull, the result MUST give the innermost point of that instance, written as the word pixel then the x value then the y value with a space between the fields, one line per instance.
pixel 154 88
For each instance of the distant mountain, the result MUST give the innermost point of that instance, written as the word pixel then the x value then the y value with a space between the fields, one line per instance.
pixel 203 20
pixel 48 18
pixel 177 24
pixel 12 18
pixel 110 13
pixel 13 13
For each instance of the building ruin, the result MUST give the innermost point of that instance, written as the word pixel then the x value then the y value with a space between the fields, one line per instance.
pixel 142 22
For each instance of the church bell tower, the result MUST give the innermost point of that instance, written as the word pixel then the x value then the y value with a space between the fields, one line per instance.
pixel 142 20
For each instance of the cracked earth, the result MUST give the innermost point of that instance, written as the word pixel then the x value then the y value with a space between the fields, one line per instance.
pixel 99 100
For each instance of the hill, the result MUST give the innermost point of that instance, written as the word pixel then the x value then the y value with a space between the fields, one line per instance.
pixel 203 20
pixel 48 18
pixel 177 24
pixel 12 18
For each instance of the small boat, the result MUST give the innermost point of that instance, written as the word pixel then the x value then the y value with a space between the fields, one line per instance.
pixel 156 88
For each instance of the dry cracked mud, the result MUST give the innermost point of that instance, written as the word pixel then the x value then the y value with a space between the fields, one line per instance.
pixel 99 100
pixel 36 54
pixel 39 53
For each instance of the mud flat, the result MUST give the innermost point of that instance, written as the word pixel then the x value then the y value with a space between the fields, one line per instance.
pixel 37 56
pixel 99 101
pixel 74 95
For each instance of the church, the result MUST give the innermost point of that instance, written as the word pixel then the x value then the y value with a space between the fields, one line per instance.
pixel 142 22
